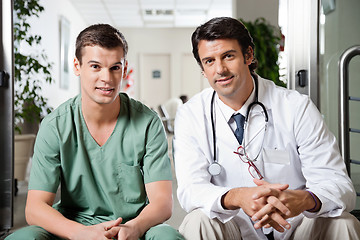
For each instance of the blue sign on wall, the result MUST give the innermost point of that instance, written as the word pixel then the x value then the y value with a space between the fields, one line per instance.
pixel 156 74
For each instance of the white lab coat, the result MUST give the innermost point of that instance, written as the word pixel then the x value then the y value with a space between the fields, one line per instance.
pixel 298 149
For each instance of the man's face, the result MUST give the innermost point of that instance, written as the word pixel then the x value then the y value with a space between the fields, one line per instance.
pixel 225 68
pixel 100 73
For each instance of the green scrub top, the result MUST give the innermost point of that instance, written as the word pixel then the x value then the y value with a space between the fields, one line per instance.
pixel 100 183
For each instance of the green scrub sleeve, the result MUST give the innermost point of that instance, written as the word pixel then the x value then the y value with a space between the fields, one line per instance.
pixel 45 169
pixel 157 165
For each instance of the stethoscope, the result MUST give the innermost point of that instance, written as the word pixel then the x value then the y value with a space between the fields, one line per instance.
pixel 215 168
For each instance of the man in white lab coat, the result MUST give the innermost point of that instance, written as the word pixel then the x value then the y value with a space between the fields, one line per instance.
pixel 282 177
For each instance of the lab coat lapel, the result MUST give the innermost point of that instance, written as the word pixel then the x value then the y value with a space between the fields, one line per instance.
pixel 223 130
pixel 255 136
pixel 235 173
pixel 263 96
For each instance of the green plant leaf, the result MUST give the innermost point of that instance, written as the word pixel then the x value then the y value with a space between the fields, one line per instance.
pixel 266 39
pixel 29 104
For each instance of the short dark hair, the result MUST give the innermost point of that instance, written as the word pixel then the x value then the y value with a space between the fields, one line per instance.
pixel 223 28
pixel 102 35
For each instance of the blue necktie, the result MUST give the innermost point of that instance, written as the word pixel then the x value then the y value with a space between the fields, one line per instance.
pixel 239 132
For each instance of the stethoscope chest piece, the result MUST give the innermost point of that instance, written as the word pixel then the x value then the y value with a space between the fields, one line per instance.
pixel 214 169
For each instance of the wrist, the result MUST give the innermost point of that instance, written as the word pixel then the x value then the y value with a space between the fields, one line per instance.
pixel 136 227
pixel 223 204
pixel 231 200
pixel 315 202
pixel 75 230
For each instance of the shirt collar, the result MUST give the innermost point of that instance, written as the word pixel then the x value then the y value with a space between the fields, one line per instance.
pixel 228 112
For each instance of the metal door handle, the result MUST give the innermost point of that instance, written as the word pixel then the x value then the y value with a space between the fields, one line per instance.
pixel 3 77
pixel 302 75
pixel 344 103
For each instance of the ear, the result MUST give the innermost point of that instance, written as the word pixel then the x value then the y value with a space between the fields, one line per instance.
pixel 249 55
pixel 76 67
pixel 125 69
pixel 203 73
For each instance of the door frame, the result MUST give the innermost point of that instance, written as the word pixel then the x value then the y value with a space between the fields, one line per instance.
pixel 6 116
pixel 301 44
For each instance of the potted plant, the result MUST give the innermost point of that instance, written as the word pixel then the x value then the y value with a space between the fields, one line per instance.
pixel 31 69
pixel 266 39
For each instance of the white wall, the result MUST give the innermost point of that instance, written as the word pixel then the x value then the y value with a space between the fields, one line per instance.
pixel 249 10
pixel 175 42
pixel 47 26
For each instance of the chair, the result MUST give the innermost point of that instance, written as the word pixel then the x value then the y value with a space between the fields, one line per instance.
pixel 23 150
pixel 167 113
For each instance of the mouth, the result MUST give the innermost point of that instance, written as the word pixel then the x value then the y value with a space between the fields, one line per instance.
pixel 224 80
pixel 105 90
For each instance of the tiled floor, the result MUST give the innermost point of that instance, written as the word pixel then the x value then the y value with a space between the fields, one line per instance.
pixel 20 199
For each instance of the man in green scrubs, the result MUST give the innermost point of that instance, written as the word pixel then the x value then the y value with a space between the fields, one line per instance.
pixel 108 153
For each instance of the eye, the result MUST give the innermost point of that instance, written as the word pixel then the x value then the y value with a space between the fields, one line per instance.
pixel 115 68
pixel 229 56
pixel 95 66
pixel 208 61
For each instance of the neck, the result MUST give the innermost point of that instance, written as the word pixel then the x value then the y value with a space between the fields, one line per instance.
pixel 100 114
pixel 240 96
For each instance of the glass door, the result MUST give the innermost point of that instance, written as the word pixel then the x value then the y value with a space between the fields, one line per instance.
pixel 339 31
pixel 6 116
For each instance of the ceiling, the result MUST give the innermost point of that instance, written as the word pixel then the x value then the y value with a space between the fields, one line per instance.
pixel 152 13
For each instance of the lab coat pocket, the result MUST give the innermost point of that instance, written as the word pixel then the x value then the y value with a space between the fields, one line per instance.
pixel 131 183
pixel 276 156
pixel 276 165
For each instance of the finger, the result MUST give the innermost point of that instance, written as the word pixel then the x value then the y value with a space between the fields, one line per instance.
pixel 267 226
pixel 267 222
pixel 270 190
pixel 263 212
pixel 111 233
pixel 276 203
pixel 260 202
pixel 282 187
pixel 279 186
pixel 265 191
pixel 276 226
pixel 259 182
pixel 117 221
pixel 274 219
pixel 112 223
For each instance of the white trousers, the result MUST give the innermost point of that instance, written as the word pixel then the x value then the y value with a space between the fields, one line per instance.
pixel 197 226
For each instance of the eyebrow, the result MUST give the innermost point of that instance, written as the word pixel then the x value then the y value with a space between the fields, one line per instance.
pixel 93 61
pixel 230 51
pixel 227 52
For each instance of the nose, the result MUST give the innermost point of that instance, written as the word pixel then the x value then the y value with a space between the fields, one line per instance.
pixel 221 67
pixel 106 75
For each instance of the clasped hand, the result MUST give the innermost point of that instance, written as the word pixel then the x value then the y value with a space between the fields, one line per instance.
pixel 108 230
pixel 277 203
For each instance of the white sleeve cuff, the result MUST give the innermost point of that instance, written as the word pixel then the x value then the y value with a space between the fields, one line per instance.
pixel 218 211
pixel 328 208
